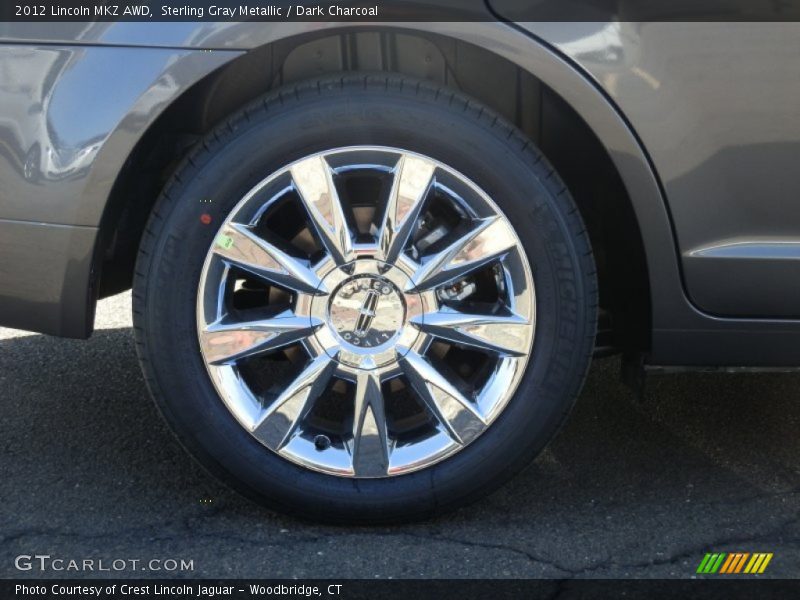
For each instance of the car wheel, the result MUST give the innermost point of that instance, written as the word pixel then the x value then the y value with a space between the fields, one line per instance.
pixel 365 299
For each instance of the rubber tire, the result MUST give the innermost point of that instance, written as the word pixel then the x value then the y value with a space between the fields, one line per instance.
pixel 349 110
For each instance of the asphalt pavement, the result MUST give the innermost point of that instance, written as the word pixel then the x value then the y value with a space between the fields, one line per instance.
pixel 88 470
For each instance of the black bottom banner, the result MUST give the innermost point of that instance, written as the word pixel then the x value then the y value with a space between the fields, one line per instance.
pixel 401 589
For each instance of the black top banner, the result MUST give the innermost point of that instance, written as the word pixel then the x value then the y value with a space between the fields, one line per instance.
pixel 398 10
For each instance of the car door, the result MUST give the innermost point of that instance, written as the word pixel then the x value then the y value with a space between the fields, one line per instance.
pixel 715 105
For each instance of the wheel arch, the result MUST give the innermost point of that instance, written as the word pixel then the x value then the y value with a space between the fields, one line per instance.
pixel 523 79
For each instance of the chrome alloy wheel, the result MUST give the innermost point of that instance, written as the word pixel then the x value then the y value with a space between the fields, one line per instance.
pixel 366 312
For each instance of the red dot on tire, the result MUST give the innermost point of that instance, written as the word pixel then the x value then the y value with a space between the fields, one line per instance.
pixel 205 219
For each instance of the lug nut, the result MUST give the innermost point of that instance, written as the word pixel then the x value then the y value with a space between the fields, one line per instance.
pixel 322 442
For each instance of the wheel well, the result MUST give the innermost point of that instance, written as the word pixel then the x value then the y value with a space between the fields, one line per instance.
pixel 567 141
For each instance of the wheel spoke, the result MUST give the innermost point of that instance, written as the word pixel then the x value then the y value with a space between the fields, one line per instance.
pixel 284 416
pixel 238 245
pixel 370 439
pixel 503 334
pixel 314 182
pixel 226 342
pixel 454 412
pixel 411 185
pixel 492 238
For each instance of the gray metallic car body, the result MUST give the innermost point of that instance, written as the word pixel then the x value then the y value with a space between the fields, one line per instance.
pixel 699 119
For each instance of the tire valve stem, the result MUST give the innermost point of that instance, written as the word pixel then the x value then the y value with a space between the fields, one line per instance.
pixel 322 442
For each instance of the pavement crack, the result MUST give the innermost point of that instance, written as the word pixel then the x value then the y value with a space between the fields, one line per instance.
pixel 492 546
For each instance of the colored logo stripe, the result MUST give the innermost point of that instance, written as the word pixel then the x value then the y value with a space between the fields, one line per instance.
pixel 758 563
pixel 734 562
pixel 711 563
